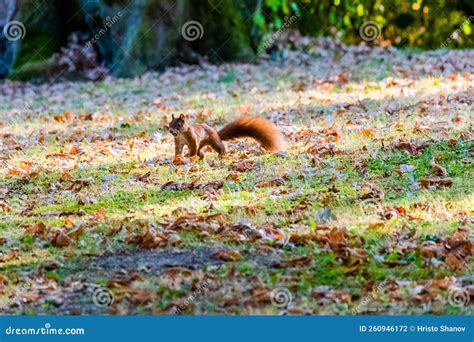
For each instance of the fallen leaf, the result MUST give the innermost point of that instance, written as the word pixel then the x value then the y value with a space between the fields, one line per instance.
pixel 175 186
pixel 435 183
pixel 302 261
pixel 99 215
pixel 58 118
pixel 242 166
pixel 179 160
pixel 271 183
pixel 35 229
pixel 68 115
pixel 5 208
pixel 59 238
pixel 411 148
pixel 367 132
pixel 438 170
pixel 227 255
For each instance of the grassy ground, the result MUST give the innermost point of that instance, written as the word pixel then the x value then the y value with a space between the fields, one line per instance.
pixel 370 211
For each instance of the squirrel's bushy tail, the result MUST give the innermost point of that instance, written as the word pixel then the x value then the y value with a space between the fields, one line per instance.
pixel 262 130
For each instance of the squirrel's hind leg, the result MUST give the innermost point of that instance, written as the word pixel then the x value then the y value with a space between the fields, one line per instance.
pixel 218 146
pixel 215 142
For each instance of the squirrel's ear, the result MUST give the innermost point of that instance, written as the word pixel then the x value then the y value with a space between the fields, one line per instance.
pixel 182 116
pixel 172 116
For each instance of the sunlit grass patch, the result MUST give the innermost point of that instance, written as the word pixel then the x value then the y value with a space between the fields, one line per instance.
pixel 379 159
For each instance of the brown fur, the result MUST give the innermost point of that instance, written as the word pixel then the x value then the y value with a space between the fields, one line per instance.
pixel 262 130
pixel 200 135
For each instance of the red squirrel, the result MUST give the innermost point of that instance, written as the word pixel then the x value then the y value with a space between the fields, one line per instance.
pixel 198 136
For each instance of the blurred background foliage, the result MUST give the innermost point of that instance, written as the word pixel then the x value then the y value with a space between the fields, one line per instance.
pixel 148 34
pixel 416 23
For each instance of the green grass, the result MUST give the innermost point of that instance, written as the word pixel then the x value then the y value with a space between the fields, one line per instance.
pixel 345 183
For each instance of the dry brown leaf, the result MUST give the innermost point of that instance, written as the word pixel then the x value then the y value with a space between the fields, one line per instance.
pixel 411 148
pixel 395 211
pixel 31 297
pixel 436 182
pixel 438 170
pixel 59 238
pixel 306 260
pixel 227 255
pixel 124 281
pixel 99 215
pixel 179 160
pixel 5 208
pixel 58 118
pixel 242 166
pixel 454 262
pixel 35 229
pixel 367 132
pixel 68 115
pixel 210 186
pixel 270 183
pixel 76 231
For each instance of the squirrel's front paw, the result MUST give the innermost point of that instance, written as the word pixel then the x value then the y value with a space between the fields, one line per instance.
pixel 179 160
